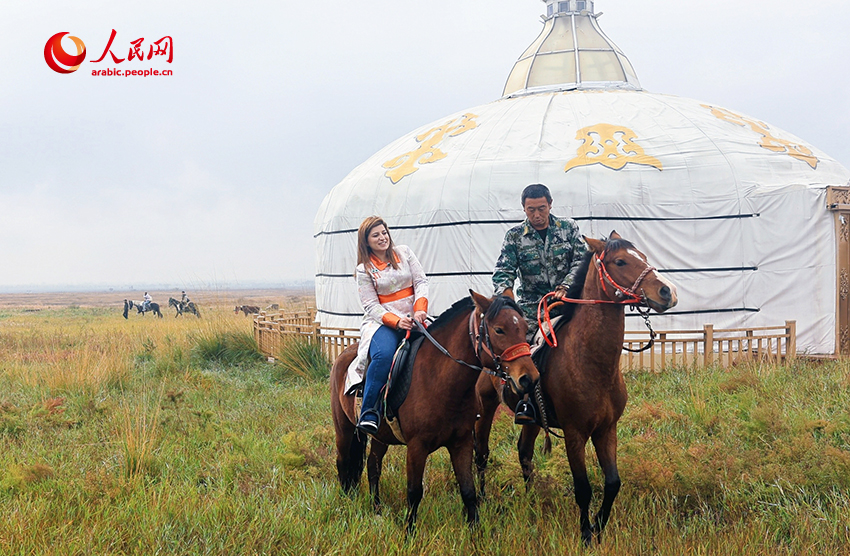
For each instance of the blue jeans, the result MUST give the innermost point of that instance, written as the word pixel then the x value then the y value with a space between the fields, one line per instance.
pixel 381 350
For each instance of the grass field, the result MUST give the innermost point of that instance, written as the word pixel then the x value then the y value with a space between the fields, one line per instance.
pixel 173 436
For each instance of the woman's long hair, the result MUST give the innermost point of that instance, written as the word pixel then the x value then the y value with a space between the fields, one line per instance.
pixel 364 252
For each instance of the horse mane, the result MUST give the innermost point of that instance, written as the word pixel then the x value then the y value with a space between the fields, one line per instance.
pixel 466 304
pixel 499 303
pixel 459 306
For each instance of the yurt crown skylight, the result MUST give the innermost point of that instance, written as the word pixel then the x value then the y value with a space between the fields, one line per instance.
pixel 571 52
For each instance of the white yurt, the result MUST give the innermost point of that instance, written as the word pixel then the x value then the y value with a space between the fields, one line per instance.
pixel 737 213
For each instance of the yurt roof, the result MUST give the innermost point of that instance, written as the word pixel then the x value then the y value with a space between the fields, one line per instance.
pixel 602 152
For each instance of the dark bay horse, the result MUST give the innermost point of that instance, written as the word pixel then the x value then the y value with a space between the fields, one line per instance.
pixel 140 307
pixel 440 408
pixel 183 307
pixel 581 382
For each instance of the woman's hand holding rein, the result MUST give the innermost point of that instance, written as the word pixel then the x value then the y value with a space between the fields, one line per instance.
pixel 406 322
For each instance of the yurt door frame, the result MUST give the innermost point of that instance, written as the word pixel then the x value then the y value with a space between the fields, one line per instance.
pixel 838 201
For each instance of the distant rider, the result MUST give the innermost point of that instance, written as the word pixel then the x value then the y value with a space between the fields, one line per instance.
pixel 146 306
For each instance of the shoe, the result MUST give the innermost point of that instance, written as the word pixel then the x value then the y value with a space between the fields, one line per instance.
pixel 524 413
pixel 368 423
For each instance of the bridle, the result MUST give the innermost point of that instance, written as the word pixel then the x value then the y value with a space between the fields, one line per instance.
pixel 479 335
pixel 626 297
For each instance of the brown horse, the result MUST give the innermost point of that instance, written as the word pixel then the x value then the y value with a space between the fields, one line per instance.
pixel 247 309
pixel 440 408
pixel 581 382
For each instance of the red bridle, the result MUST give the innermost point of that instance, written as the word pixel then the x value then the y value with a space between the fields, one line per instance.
pixel 631 296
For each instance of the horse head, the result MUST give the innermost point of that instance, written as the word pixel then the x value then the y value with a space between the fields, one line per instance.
pixel 625 274
pixel 499 330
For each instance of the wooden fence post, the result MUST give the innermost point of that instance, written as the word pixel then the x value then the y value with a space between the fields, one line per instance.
pixel 791 342
pixel 708 344
pixel 317 331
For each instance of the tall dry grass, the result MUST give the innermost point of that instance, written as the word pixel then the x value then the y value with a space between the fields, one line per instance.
pixel 120 437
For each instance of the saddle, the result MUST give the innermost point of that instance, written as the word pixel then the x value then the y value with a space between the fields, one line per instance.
pixel 395 391
pixel 398 383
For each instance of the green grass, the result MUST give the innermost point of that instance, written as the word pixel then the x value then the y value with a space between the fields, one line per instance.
pixel 301 358
pixel 120 437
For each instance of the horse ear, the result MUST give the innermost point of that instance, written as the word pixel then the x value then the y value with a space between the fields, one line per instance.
pixel 614 235
pixel 597 246
pixel 481 302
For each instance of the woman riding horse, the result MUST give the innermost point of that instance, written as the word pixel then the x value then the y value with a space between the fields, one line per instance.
pixel 392 287
pixel 440 408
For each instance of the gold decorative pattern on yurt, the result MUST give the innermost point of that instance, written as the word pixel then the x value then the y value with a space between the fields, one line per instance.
pixel 613 146
pixel 768 141
pixel 427 151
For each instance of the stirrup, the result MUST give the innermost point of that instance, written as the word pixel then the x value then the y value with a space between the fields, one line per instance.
pixel 525 413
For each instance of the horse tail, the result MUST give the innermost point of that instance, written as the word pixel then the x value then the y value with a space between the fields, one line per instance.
pixel 126 309
pixel 356 461
pixel 547 443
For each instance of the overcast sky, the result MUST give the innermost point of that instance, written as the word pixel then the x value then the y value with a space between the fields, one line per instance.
pixel 211 177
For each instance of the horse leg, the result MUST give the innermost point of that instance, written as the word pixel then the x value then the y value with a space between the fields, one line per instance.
pixel 461 456
pixel 489 399
pixel 575 445
pixel 374 466
pixel 606 451
pixel 416 457
pixel 525 450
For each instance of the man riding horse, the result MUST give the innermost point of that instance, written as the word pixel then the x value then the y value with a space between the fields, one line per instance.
pixel 544 252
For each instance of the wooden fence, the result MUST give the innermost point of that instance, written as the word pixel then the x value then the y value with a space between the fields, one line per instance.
pixel 271 330
pixel 701 348
pixel 688 348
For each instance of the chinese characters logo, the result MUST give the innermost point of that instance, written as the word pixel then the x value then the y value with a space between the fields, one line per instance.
pixel 768 141
pixel 55 55
pixel 427 151
pixel 60 61
pixel 164 47
pixel 611 146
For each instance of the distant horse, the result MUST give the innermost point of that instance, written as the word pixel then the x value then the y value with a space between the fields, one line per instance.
pixel 580 383
pixel 140 307
pixel 184 307
pixel 247 309
pixel 440 408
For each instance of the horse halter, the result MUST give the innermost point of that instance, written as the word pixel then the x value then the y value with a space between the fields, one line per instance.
pixel 620 292
pixel 481 343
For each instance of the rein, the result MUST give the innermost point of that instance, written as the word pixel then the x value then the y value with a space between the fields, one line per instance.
pixel 637 302
pixel 510 354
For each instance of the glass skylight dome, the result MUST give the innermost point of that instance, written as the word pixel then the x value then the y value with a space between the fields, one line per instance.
pixel 571 52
